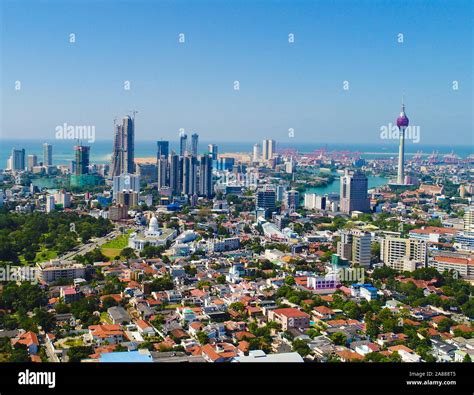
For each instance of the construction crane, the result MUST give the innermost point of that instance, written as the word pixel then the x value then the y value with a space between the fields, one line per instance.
pixel 133 113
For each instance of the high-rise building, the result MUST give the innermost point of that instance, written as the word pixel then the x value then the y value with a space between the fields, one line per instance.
pixel 268 149
pixel 469 219
pixel 176 178
pixel 205 176
pixel 163 148
pixel 49 203
pixel 123 156
pixel 355 246
pixel 163 172
pixel 126 182
pixel 394 249
pixel 47 154
pixel 189 175
pixel 256 153
pixel 183 144
pixel 32 162
pixel 402 124
pixel 314 201
pixel 266 200
pixel 212 148
pixel 292 200
pixel 361 248
pixel 82 159
pixel 17 160
pixel 354 196
pixel 194 144
pixel 344 246
pixel 127 198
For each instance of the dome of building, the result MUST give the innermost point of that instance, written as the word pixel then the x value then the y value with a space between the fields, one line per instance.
pixel 153 225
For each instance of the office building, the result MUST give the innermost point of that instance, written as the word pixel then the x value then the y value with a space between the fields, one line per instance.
pixel 123 156
pixel 256 153
pixel 163 148
pixel 313 201
pixel 268 149
pixel 127 198
pixel 17 160
pixel 194 144
pixel 47 154
pixel 176 178
pixel 189 175
pixel 266 200
pixel 354 195
pixel 361 248
pixel 205 176
pixel 32 162
pixel 126 182
pixel 212 148
pixel 162 172
pixel 49 203
pixel 292 200
pixel 82 159
pixel 183 144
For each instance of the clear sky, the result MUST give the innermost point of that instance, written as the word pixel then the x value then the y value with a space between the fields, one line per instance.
pixel 282 85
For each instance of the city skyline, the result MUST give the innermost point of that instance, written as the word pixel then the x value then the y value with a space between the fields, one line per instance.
pixel 190 85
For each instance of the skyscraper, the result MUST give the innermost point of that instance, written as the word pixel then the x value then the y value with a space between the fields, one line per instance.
pixel 32 161
pixel 354 195
pixel 256 153
pixel 126 182
pixel 402 124
pixel 123 156
pixel 266 200
pixel 176 164
pixel 17 159
pixel 268 149
pixel 47 154
pixel 183 144
pixel 212 148
pixel 205 176
pixel 189 175
pixel 162 168
pixel 194 144
pixel 162 149
pixel 82 159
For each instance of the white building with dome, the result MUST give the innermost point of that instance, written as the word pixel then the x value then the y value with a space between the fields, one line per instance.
pixel 153 236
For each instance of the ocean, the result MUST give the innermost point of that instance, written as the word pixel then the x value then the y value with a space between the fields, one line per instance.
pixel 101 149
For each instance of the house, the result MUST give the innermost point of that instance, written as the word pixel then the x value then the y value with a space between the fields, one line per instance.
pixel 144 328
pixel 111 334
pixel 118 315
pixel 407 354
pixel 289 318
pixel 260 356
pixel 443 351
pixel 323 312
pixel 219 352
pixel 28 339
pixel 69 294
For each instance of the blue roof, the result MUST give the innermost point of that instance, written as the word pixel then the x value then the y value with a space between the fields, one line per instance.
pixel 125 356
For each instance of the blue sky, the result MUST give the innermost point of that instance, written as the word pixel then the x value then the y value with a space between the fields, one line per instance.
pixel 282 85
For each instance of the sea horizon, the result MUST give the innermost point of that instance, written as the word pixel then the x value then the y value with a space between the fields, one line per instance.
pixel 101 150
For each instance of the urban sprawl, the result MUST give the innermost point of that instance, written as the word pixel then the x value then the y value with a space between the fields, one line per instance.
pixel 202 256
